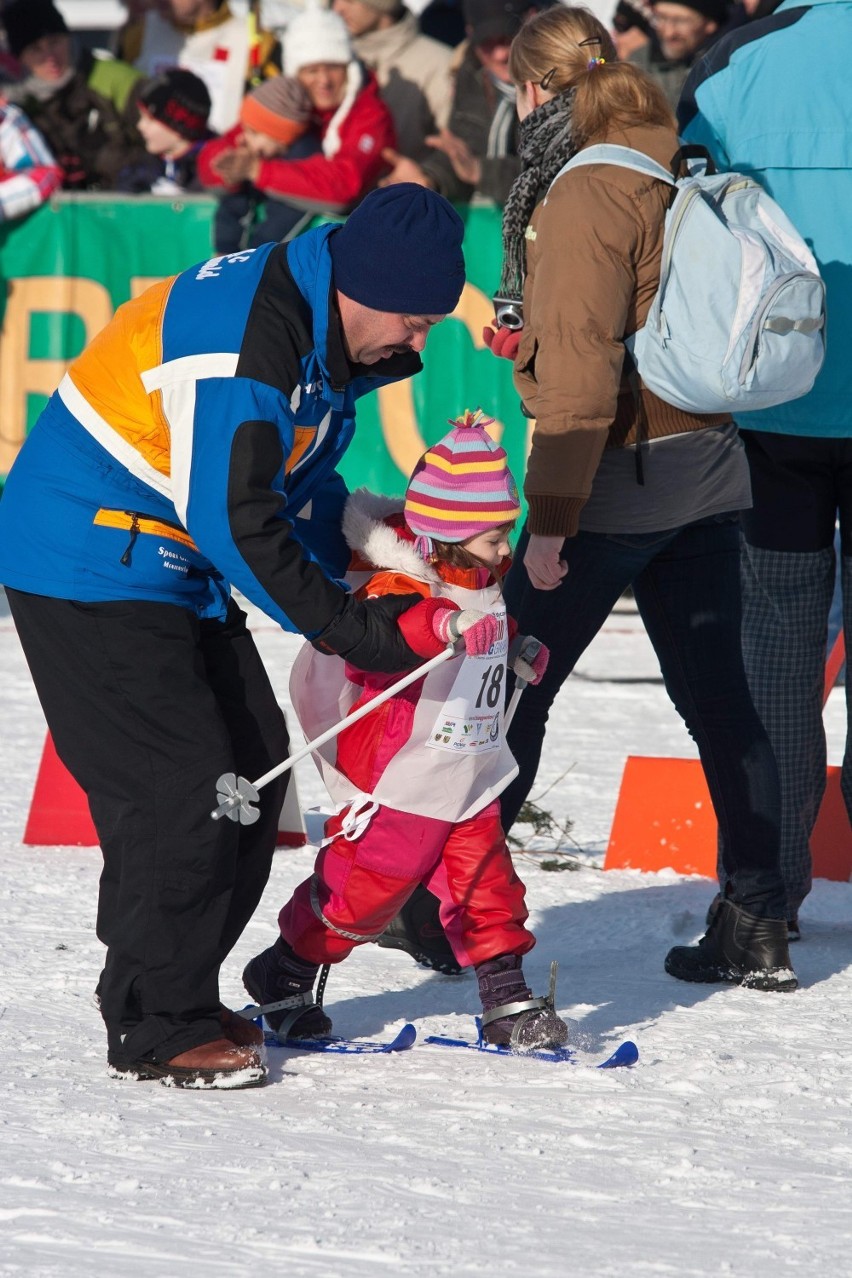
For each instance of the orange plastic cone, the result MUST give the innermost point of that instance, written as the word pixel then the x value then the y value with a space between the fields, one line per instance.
pixel 664 818
pixel 59 811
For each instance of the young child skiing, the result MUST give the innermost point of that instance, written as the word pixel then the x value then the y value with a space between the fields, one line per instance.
pixel 417 780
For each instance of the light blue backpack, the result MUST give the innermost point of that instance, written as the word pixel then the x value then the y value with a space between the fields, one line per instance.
pixel 738 320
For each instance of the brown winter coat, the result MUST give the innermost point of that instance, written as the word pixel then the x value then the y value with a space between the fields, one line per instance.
pixel 594 247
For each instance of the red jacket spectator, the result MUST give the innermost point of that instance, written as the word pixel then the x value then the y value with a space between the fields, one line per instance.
pixel 346 167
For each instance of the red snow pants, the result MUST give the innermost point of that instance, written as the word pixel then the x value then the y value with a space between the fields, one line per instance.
pixel 358 886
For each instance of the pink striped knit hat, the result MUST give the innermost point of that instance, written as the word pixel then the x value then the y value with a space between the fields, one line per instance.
pixel 461 486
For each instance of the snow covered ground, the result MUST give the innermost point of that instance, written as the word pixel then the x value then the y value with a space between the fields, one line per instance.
pixel 726 1150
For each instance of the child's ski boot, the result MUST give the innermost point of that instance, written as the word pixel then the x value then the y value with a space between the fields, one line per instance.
pixel 511 1016
pixel 278 979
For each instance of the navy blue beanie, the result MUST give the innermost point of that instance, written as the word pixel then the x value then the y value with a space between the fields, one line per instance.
pixel 400 251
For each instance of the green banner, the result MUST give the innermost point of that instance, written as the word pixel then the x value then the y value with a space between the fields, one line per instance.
pixel 68 266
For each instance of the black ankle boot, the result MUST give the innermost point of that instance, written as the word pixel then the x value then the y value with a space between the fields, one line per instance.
pixel 737 948
pixel 794 932
pixel 278 975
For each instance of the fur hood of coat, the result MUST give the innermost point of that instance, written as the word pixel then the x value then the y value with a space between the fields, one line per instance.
pixel 369 535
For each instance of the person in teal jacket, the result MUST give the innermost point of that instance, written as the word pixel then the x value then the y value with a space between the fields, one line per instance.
pixel 194 445
pixel 771 99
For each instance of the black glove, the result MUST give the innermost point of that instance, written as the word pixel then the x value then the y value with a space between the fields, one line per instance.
pixel 367 636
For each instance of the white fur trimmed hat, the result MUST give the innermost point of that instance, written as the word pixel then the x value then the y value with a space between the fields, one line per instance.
pixel 317 35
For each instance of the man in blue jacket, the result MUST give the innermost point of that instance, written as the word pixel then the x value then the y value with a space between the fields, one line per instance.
pixel 772 100
pixel 192 446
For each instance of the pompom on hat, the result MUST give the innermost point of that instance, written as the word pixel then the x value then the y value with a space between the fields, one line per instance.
pixel 461 487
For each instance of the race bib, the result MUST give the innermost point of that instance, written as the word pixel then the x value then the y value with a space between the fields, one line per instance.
pixel 471 718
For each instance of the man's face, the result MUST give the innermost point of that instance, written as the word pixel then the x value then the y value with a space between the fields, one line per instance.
pixel 494 56
pixel 681 31
pixel 360 18
pixel 325 84
pixel 48 58
pixel 369 335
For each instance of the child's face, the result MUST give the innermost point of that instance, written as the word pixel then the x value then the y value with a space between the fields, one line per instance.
pixel 491 547
pixel 262 145
pixel 159 138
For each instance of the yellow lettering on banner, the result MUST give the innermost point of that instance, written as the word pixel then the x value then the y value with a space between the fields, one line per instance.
pixel 21 375
pixel 399 425
pixel 398 419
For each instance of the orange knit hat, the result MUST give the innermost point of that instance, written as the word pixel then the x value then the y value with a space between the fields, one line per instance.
pixel 279 107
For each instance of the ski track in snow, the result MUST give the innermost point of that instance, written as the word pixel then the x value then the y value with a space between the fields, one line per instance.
pixel 725 1151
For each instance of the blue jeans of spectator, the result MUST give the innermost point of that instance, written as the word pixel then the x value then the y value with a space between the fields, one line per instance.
pixel 686 582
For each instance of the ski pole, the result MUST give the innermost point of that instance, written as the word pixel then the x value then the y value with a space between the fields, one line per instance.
pixel 237 794
pixel 520 684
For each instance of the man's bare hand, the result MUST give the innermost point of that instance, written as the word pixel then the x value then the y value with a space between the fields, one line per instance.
pixel 466 165
pixel 403 170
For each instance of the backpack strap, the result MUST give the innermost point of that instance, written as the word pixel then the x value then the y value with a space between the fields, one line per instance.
pixel 624 156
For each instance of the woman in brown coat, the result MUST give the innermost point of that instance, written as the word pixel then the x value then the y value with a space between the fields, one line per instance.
pixel 622 488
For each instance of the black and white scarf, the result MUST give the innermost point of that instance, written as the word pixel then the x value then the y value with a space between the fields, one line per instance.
pixel 546 142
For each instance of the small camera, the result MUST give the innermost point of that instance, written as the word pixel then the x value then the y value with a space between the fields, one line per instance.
pixel 508 312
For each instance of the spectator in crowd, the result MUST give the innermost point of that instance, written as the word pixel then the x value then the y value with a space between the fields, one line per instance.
pixel 477 154
pixel 632 27
pixel 86 110
pixel 683 33
pixel 227 50
pixel 173 112
pixel 193 444
pixel 623 488
pixel 273 124
pixel 798 145
pixel 413 70
pixel 28 171
pixel 348 130
pixel 443 20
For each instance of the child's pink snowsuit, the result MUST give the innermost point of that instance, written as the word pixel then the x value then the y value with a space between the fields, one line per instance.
pixel 359 883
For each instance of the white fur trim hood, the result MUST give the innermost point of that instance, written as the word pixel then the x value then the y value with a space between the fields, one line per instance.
pixel 366 532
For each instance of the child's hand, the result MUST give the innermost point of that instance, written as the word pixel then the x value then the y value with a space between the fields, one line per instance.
pixel 503 342
pixel 479 630
pixel 528 658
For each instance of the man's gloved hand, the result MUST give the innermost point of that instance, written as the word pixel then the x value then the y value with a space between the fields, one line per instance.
pixel 528 658
pixel 479 630
pixel 503 342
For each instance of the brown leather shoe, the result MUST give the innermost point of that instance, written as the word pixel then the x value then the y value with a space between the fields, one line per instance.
pixel 240 1031
pixel 220 1064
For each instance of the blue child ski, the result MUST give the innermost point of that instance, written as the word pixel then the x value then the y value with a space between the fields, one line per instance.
pixel 348 1046
pixel 626 1054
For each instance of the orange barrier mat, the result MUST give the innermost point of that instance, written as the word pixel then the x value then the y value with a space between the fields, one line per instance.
pixel 664 818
